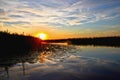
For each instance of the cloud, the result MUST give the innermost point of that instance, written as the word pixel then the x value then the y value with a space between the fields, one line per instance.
pixel 90 11
pixel 2 14
pixel 15 16
pixel 18 22
pixel 60 12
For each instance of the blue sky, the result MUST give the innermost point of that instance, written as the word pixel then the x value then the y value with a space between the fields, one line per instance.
pixel 65 18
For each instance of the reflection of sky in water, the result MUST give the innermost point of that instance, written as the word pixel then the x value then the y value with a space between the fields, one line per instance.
pixel 107 53
pixel 68 63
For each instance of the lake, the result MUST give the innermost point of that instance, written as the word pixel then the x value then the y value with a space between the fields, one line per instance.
pixel 62 62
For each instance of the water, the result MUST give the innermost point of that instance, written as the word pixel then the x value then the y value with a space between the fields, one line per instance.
pixel 63 62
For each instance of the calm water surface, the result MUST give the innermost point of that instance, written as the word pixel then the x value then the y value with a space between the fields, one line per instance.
pixel 63 62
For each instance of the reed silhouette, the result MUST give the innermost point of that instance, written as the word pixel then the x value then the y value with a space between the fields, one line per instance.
pixel 17 43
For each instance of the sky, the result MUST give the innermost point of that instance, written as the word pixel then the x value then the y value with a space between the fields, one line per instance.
pixel 61 18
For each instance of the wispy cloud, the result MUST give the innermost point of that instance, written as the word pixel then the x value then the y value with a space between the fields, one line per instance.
pixel 63 12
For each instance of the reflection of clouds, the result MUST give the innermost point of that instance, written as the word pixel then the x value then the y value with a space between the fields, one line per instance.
pixel 42 57
pixel 58 53
pixel 73 68
pixel 71 55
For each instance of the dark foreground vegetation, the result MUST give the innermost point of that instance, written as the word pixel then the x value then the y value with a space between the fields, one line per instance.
pixel 96 41
pixel 17 43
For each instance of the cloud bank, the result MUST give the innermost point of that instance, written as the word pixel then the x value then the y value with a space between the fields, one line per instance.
pixel 61 12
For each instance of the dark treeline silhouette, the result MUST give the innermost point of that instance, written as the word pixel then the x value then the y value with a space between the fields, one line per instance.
pixel 96 41
pixel 17 43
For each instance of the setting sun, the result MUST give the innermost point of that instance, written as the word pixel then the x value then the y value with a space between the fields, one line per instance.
pixel 42 36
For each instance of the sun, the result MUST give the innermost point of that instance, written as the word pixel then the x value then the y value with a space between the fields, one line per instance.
pixel 43 36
